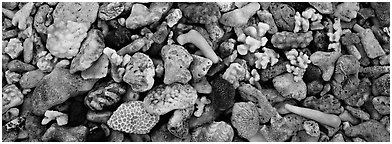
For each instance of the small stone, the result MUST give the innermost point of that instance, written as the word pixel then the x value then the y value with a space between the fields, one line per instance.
pixel 12 97
pixel 282 128
pixel 283 15
pixel 240 16
pixel 142 16
pixel 358 113
pixel 19 66
pixel 345 79
pixel 361 95
pixel 314 87
pixel 31 79
pixel 178 123
pixel 90 50
pixel 311 128
pixel 140 72
pixel 323 7
pixel 266 17
pixel 288 88
pixel 65 38
pixel 105 95
pixel 65 134
pixel 347 11
pixel 381 85
pixel 173 17
pixel 225 6
pixel 223 93
pixel 14 48
pixel 12 77
pixel 118 38
pixel 382 104
pixel 99 69
pixel 371 131
pixel 176 61
pixel 373 71
pixel 234 74
pixel 202 86
pixel 202 13
pixel 56 88
pixel 21 16
pixel 80 12
pixel 199 67
pixel 98 116
pixel 110 10
pixel 370 44
pixel 327 103
pixel 28 50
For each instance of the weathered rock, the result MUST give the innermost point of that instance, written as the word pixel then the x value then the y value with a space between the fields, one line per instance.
pixel 90 51
pixel 239 17
pixel 273 71
pixel 105 95
pixel 110 10
pixel 223 93
pixel 267 18
pixel 214 132
pixel 327 103
pixel 178 124
pixel 347 11
pixel 371 131
pixel 56 88
pixel 382 104
pixel 176 62
pixel 345 80
pixel 98 69
pixel 382 13
pixel 203 13
pixel 42 17
pixel 199 67
pixel 14 48
pixel 165 98
pixel 323 7
pixel 65 134
pixel 140 72
pixel 288 88
pixel 358 113
pixel 381 85
pixel 118 38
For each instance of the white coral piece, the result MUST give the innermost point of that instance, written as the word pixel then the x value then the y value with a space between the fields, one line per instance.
pixel 201 103
pixel 255 77
pixel 268 56
pixel 61 118
pixel 298 63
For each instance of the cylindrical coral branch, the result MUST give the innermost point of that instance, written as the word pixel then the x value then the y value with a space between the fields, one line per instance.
pixel 268 56
pixel 299 62
pixel 324 118
pixel 288 40
pixel 198 40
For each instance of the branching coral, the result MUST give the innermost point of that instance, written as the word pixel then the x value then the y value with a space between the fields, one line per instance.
pixel 268 56
pixel 201 102
pixel 255 77
pixel 300 23
pixel 252 38
pixel 299 62
pixel 132 117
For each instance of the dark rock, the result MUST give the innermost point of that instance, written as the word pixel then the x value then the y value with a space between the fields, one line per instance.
pixel 76 113
pixel 222 95
pixel 361 95
pixel 118 38
pixel 299 6
pixel 95 134
pixel 312 73
pixel 208 116
pixel 320 41
pixel 369 108
pixel 56 88
pixel 358 113
pixel 273 71
pixel 65 134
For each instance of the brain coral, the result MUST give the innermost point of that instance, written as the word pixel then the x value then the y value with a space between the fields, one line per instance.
pixel 132 117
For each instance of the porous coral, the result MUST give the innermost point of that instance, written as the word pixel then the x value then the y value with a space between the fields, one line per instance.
pixel 244 119
pixel 214 132
pixel 165 98
pixel 268 56
pixel 132 117
pixel 14 48
pixel 80 12
pixel 234 74
pixel 176 61
pixel 301 24
pixel 287 40
pixel 178 124
pixel 200 104
pixel 298 63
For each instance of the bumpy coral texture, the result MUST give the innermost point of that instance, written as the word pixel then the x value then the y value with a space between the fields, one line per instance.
pixel 268 56
pixel 165 98
pixel 253 38
pixel 299 62
pixel 234 74
pixel 131 117
pixel 107 95
pixel 65 38
pixel 214 132
pixel 223 93
pixel 287 40
pixel 140 72
pixel 245 119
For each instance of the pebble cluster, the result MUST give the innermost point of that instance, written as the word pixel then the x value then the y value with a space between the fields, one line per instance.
pixel 195 71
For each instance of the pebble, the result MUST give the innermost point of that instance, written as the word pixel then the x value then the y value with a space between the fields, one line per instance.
pixel 142 16
pixel 358 113
pixel 199 67
pixel 31 79
pixel 65 134
pixel 326 103
pixel 288 88
pixel 240 16
pixel 202 13
pixel 110 10
pixel 283 15
pixel 140 72
pixel 266 17
pixel 14 48
pixel 76 12
pixel 98 69
pixel 323 7
pixel 345 80
pixel 176 61
pixel 382 104
pixel 12 77
pixel 381 9
pixel 273 71
pixel 202 86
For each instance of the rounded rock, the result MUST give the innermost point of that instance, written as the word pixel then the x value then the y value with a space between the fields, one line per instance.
pixel 140 72
pixel 288 88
